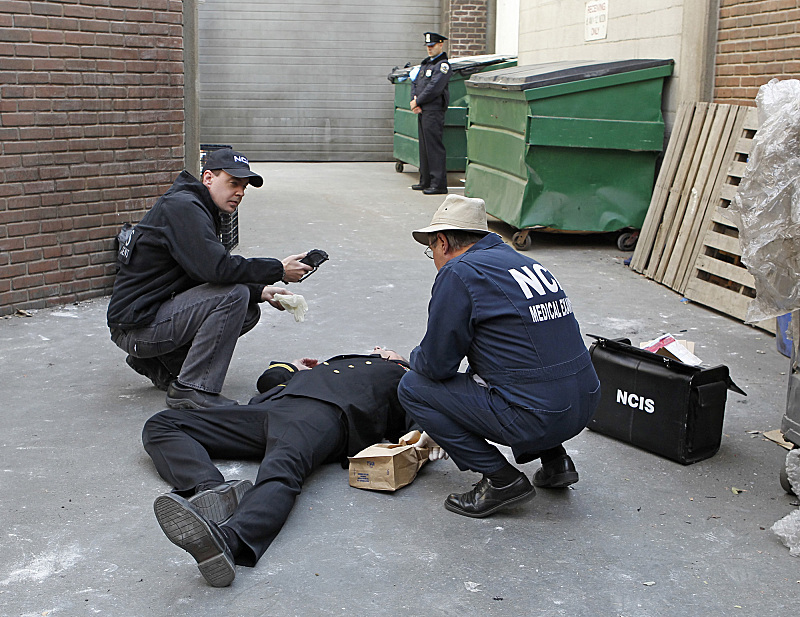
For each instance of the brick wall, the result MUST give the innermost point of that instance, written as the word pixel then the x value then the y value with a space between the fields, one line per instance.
pixel 91 132
pixel 757 40
pixel 467 19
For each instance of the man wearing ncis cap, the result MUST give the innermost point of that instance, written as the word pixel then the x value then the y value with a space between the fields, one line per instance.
pixel 430 97
pixel 530 384
pixel 180 299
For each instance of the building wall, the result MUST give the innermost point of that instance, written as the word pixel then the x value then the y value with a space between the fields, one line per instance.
pixel 682 30
pixel 507 29
pixel 756 42
pixel 91 132
pixel 468 20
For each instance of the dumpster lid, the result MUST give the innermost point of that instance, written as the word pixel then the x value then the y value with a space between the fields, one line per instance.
pixel 553 73
pixel 465 66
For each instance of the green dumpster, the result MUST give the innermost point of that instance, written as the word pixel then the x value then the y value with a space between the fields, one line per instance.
pixel 406 144
pixel 566 146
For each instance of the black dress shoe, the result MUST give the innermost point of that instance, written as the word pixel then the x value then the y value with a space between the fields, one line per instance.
pixel 558 473
pixel 153 370
pixel 218 504
pixel 419 187
pixel 198 536
pixel 181 397
pixel 433 191
pixel 485 499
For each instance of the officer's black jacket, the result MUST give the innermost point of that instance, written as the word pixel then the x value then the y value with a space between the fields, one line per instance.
pixel 176 247
pixel 364 387
pixel 431 85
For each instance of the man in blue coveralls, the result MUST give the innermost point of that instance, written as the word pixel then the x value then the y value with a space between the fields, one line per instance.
pixel 530 384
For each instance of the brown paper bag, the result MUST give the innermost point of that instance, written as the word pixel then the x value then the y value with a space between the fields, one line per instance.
pixel 387 466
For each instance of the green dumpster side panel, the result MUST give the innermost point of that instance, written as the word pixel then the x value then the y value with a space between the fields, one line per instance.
pixel 586 189
pixel 503 192
pixel 497 149
pixel 499 110
pixel 406 138
pixel 586 133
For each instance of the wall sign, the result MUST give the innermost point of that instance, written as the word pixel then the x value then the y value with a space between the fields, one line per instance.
pixel 596 20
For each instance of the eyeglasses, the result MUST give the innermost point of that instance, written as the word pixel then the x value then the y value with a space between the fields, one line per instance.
pixel 429 252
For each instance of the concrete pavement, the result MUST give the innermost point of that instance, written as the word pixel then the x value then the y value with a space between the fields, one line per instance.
pixel 637 536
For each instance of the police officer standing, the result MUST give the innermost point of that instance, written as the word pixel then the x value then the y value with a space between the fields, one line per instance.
pixel 430 97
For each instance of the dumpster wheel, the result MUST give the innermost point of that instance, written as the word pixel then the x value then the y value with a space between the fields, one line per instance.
pixel 522 240
pixel 398 167
pixel 626 241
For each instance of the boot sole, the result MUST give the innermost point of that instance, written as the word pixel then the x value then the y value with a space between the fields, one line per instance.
pixel 182 403
pixel 219 505
pixel 559 480
pixel 186 528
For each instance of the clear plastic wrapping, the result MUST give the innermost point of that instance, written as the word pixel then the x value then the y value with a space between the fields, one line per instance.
pixel 788 528
pixel 766 207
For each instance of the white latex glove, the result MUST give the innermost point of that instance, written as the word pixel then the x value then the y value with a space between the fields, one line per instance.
pixel 294 303
pixel 435 451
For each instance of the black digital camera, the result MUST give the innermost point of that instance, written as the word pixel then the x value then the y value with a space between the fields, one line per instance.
pixel 313 258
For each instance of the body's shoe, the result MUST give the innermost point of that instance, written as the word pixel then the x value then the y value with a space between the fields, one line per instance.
pixel 153 370
pixel 201 538
pixel 558 473
pixel 181 397
pixel 434 191
pixel 486 499
pixel 419 187
pixel 218 504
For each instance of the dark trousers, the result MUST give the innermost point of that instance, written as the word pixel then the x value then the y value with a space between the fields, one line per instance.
pixel 463 417
pixel 291 436
pixel 194 333
pixel 432 156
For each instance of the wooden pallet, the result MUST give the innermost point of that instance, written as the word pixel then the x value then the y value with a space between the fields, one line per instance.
pixel 654 220
pixel 695 165
pixel 718 279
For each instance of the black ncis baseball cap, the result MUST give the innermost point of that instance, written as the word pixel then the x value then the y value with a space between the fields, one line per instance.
pixel 431 38
pixel 232 162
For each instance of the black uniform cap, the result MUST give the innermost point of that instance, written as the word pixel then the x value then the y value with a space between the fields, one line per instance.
pixel 234 163
pixel 431 38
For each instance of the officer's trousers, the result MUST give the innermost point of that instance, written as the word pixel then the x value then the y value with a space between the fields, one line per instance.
pixel 291 436
pixel 463 417
pixel 194 334
pixel 432 155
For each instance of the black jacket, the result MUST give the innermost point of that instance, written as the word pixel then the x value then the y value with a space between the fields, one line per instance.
pixel 431 87
pixel 176 247
pixel 363 387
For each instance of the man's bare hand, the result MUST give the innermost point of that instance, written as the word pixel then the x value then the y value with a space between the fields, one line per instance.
pixel 293 270
pixel 268 295
pixel 304 364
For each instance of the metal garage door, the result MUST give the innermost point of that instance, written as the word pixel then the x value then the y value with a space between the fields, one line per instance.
pixel 306 80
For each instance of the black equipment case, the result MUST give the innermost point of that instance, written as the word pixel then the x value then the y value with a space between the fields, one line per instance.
pixel 659 404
